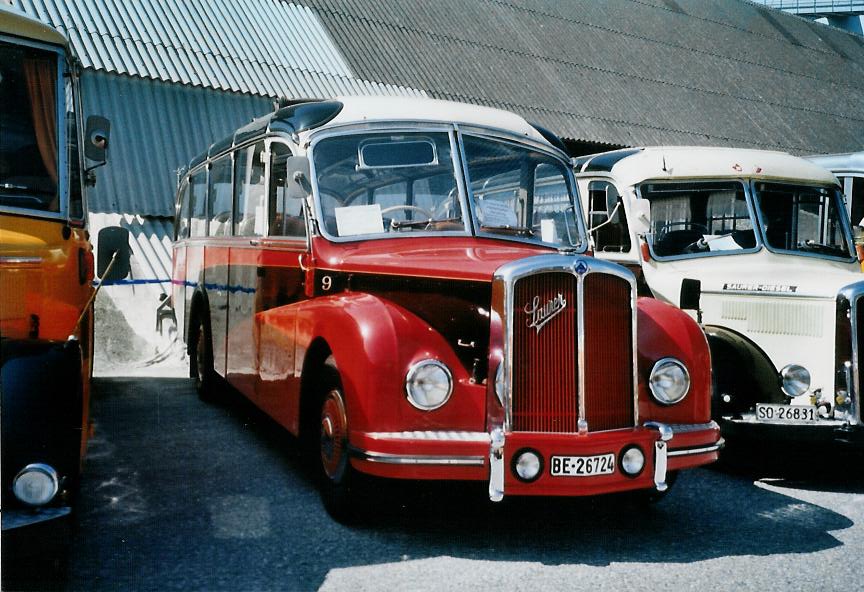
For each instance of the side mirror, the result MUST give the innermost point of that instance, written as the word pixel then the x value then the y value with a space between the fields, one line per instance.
pixel 113 239
pixel 858 234
pixel 96 135
pixel 640 216
pixel 613 209
pixel 691 292
pixel 297 177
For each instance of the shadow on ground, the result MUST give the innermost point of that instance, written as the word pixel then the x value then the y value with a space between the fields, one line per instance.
pixel 183 495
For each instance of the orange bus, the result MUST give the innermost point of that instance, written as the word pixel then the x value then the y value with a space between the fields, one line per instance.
pixel 46 270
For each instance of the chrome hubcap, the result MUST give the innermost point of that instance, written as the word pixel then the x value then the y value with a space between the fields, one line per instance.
pixel 333 434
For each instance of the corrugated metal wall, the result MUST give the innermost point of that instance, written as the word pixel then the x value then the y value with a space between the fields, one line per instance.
pixel 262 47
pixel 155 129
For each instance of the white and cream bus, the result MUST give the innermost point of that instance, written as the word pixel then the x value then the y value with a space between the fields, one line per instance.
pixel 759 247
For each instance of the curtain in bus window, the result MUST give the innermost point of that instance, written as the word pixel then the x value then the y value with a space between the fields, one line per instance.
pixel 40 74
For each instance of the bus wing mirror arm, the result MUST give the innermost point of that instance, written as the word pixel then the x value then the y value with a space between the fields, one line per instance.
pixel 298 177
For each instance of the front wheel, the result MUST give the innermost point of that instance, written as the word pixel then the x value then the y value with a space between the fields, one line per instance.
pixel 338 478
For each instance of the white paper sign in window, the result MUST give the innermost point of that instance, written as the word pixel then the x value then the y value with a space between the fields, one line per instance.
pixel 356 220
pixel 547 231
pixel 495 213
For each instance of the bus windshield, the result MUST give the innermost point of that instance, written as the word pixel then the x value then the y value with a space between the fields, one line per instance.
pixel 699 218
pixel 388 184
pixel 802 219
pixel 28 129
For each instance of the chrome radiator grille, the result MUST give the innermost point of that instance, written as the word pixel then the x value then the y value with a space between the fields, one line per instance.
pixel 545 367
pixel 608 353
pixel 549 312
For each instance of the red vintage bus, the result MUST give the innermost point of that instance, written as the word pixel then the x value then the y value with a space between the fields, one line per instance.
pixel 404 284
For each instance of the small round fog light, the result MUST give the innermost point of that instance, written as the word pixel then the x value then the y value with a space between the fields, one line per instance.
pixel 527 464
pixel 796 380
pixel 632 461
pixel 36 484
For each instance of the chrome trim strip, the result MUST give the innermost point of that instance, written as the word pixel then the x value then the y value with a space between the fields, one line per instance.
pixel 496 465
pixel 442 436
pixel 580 343
pixel 683 428
pixel 635 355
pixel 660 453
pixel 416 459
pixel 702 450
pixel 20 260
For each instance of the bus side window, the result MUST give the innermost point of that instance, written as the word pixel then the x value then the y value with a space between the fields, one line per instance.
pixel 250 214
pixel 198 203
pixel 219 197
pixel 181 229
pixel 286 212
pixel 613 236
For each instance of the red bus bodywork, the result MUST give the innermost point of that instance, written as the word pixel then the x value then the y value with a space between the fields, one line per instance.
pixel 574 345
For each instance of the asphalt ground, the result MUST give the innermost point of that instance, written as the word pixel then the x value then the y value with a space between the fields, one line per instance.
pixel 179 494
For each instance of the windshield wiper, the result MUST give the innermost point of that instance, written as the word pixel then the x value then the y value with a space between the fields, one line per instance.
pixel 507 229
pixel 822 248
pixel 397 224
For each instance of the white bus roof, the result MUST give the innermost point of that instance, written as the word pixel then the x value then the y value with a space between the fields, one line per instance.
pixel 633 166
pixel 849 162
pixel 359 109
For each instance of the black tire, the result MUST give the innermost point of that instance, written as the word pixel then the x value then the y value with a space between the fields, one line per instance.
pixel 201 358
pixel 339 482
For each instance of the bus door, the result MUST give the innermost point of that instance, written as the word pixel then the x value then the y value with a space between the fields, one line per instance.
pixel 216 256
pixel 280 290
pixel 250 227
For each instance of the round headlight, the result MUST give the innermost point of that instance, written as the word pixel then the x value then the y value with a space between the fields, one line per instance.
pixel 36 484
pixel 796 380
pixel 632 461
pixel 669 381
pixel 428 384
pixel 527 465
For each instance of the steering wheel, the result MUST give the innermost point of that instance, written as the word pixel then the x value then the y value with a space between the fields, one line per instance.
pixel 673 226
pixel 407 207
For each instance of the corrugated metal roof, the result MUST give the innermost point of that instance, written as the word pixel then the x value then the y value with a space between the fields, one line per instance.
pixel 627 72
pixel 155 129
pixel 262 47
